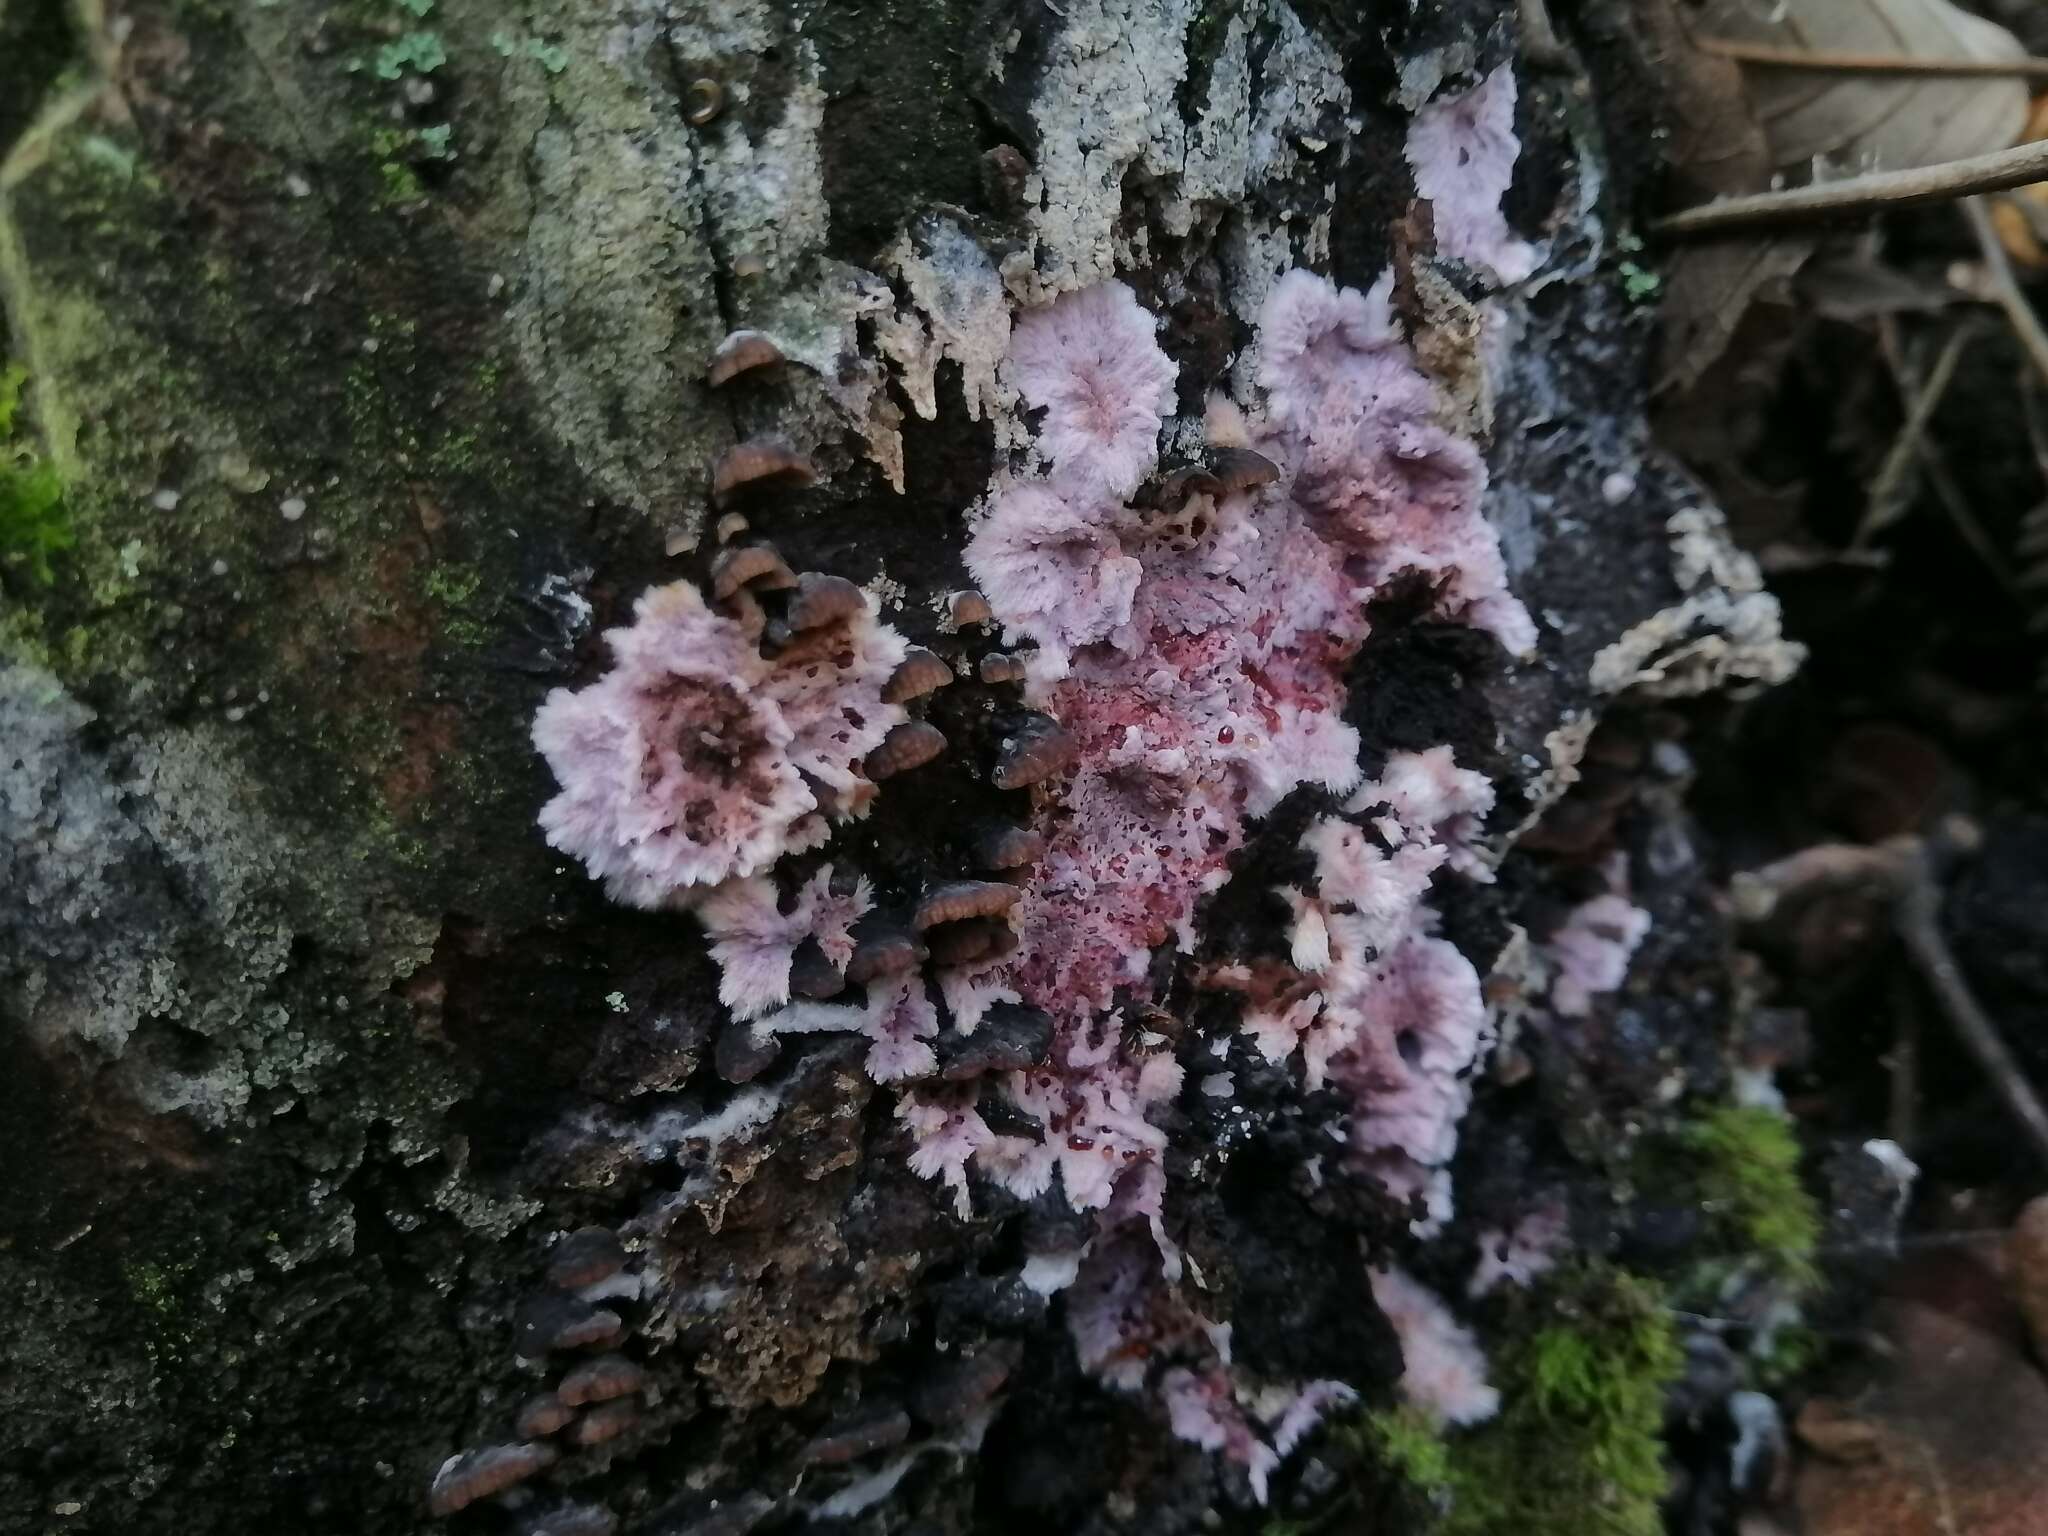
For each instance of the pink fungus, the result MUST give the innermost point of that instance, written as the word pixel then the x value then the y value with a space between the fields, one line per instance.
pixel 695 759
pixel 753 939
pixel 1443 1370
pixel 675 771
pixel 1462 149
pixel 1053 568
pixel 1380 478
pixel 898 1017
pixel 1591 952
pixel 1090 360
pixel 1519 1256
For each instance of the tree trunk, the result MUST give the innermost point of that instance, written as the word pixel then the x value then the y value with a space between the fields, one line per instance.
pixel 370 343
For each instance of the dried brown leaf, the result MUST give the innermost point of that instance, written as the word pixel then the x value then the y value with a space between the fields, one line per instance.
pixel 1708 288
pixel 1862 122
pixel 1717 149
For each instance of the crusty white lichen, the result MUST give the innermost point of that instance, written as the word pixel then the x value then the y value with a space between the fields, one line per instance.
pixel 151 907
pixel 1723 634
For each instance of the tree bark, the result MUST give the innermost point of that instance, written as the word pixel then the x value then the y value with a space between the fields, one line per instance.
pixel 370 343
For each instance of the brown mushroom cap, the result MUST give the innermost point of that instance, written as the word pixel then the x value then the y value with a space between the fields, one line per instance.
pixel 907 746
pixel 739 353
pixel 1012 1036
pixel 812 975
pixel 1037 749
pixel 919 673
pixel 997 667
pixel 597 1381
pixel 858 1434
pixel 541 1414
pixel 975 938
pixel 584 1257
pixel 740 1055
pixel 882 948
pixel 607 1421
pixel 954 1389
pixel 478 1474
pixel 822 600
pixel 1000 847
pixel 1242 469
pixel 970 607
pixel 958 899
pixel 1175 489
pixel 703 100
pixel 756 461
pixel 750 565
pixel 563 1322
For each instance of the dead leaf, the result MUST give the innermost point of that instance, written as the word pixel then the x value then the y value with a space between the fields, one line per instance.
pixel 1855 286
pixel 1707 290
pixel 1717 150
pixel 1717 147
pixel 1861 122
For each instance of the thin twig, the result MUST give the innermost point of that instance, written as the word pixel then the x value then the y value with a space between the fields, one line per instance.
pixel 1871 192
pixel 1946 491
pixel 1918 914
pixel 1889 496
pixel 2026 324
pixel 1904 1063
pixel 1773 57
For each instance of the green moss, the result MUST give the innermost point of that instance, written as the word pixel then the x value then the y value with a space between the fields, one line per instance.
pixel 1408 1442
pixel 400 185
pixel 161 1291
pixel 459 591
pixel 33 523
pixel 1578 1445
pixel 1746 1164
pixel 1638 282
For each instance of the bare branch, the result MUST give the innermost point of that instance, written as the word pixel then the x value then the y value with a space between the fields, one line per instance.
pixel 1874 192
pixel 1770 56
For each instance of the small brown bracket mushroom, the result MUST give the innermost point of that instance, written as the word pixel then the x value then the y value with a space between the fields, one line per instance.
pixel 741 352
pixel 759 461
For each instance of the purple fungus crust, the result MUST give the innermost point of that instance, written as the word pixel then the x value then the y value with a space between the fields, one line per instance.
pixel 1188 672
pixel 1462 150
pixel 1443 1371
pixel 695 759
pixel 1091 362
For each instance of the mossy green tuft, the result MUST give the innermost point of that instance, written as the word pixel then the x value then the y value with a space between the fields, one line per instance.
pixel 33 523
pixel 1578 1445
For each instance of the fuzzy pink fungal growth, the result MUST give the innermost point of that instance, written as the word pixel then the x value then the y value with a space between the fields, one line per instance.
pixel 1421 1020
pixel 898 1017
pixel 692 761
pixel 1592 950
pixel 1463 149
pixel 674 769
pixel 1091 360
pixel 1048 558
pixel 1313 335
pixel 1429 792
pixel 1382 481
pixel 945 1132
pixel 1396 1018
pixel 1203 1410
pixel 753 939
pixel 1443 1371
